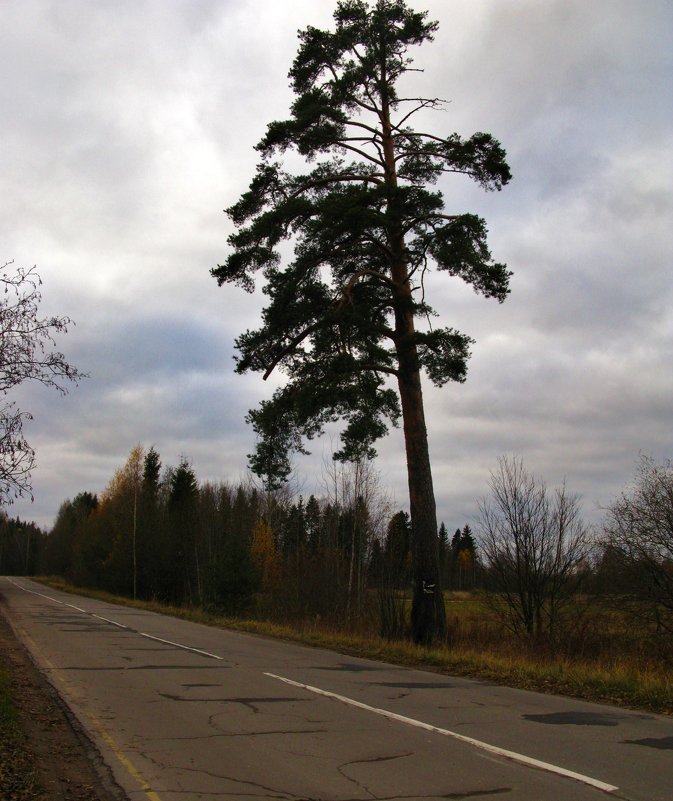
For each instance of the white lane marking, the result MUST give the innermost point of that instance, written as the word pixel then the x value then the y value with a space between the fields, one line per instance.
pixel 120 625
pixel 107 620
pixel 32 592
pixel 71 606
pixel 493 749
pixel 180 645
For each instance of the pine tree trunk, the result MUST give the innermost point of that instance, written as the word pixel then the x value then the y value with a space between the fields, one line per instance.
pixel 428 616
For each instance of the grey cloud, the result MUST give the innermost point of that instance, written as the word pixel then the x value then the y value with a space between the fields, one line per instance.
pixel 130 127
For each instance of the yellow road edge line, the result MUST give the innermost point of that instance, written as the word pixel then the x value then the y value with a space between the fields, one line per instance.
pixel 104 734
pixel 126 762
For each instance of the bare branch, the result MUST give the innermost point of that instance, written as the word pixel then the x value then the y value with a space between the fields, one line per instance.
pixel 374 131
pixel 422 103
pixel 25 355
pixel 357 150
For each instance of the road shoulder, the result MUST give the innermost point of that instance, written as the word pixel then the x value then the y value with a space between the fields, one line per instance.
pixel 65 764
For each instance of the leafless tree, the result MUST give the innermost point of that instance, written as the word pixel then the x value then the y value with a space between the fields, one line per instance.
pixel 639 529
pixel 356 487
pixel 25 355
pixel 534 543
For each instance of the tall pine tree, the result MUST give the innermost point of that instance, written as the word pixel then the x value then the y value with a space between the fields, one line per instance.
pixel 341 321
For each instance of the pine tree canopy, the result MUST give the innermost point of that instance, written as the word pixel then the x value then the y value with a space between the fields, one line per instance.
pixel 366 223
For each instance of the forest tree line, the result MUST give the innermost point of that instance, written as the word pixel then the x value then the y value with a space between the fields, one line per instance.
pixel 159 534
pixel 346 559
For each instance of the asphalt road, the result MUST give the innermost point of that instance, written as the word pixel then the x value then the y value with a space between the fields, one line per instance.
pixel 181 711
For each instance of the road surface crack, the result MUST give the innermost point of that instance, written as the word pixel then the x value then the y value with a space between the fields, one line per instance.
pixel 370 760
pixel 250 703
pixel 222 734
pixel 237 793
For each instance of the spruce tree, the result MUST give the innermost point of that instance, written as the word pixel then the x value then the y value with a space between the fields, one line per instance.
pixel 345 317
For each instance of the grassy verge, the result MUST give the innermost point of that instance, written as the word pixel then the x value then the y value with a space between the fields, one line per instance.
pixel 625 682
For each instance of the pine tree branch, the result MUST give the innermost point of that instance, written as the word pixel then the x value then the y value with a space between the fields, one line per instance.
pixel 373 109
pixel 374 178
pixel 377 368
pixel 362 153
pixel 374 131
pixel 346 291
pixel 290 347
pixel 421 135
pixel 357 139
pixel 427 217
pixel 326 319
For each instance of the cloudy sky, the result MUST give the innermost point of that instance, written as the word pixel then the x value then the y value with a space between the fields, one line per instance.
pixel 128 125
